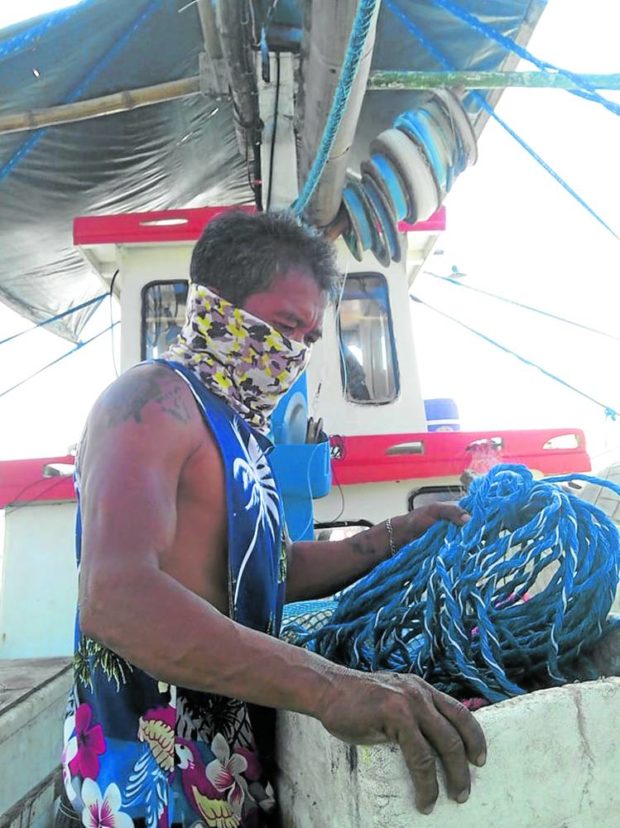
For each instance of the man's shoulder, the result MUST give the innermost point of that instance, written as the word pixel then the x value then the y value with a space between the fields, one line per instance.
pixel 144 394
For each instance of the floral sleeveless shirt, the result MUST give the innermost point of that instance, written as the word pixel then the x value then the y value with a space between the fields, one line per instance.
pixel 136 748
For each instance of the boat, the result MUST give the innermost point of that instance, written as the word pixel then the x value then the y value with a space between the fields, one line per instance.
pixel 156 94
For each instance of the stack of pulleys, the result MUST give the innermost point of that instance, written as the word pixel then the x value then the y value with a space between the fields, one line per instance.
pixel 411 169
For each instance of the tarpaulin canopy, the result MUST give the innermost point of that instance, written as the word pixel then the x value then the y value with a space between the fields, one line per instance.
pixel 168 155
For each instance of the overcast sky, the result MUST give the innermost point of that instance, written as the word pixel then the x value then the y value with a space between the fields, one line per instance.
pixel 511 228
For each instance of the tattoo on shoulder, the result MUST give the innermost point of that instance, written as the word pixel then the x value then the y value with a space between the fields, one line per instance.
pixel 129 404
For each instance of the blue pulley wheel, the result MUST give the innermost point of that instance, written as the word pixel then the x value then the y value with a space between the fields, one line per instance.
pixel 387 179
pixel 384 218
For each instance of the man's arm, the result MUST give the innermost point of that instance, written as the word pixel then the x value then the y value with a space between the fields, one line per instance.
pixel 320 568
pixel 141 436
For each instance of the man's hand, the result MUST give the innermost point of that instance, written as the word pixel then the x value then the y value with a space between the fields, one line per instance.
pixel 370 708
pixel 410 526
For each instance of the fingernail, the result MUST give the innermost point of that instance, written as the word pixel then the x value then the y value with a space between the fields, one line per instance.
pixel 428 810
pixel 465 518
pixel 481 759
pixel 463 796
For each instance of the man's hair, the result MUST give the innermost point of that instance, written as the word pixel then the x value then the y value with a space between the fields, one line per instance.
pixel 240 254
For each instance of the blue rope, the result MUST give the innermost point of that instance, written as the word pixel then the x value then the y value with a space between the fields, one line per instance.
pixel 586 89
pixel 24 40
pixel 481 101
pixel 610 412
pixel 58 359
pixel 457 607
pixel 548 314
pixel 357 40
pixel 30 143
pixel 58 316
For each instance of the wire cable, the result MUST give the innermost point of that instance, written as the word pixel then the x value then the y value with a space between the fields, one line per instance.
pixel 58 359
pixel 112 342
pixel 586 90
pixel 58 316
pixel 415 30
pixel 505 299
pixel 609 410
pixel 21 504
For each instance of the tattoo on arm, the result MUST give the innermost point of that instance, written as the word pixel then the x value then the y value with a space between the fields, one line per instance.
pixel 125 405
pixel 361 545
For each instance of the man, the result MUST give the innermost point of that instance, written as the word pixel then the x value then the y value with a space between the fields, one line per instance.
pixel 184 565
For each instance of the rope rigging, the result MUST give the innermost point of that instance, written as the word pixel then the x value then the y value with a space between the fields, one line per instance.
pixel 55 318
pixel 350 65
pixel 584 90
pixel 450 280
pixel 78 347
pixel 510 601
pixel 443 61
pixel 609 410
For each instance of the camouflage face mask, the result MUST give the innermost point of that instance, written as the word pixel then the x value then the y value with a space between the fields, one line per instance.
pixel 237 356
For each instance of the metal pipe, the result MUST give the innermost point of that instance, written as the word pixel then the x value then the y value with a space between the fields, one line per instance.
pixel 394 80
pixel 325 40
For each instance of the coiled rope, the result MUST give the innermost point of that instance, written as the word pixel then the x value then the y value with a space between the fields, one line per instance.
pixel 460 606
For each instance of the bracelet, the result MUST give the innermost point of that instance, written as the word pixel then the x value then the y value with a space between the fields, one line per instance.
pixel 390 531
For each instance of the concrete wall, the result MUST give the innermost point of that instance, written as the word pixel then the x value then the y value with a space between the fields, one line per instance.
pixel 32 705
pixel 38 581
pixel 553 762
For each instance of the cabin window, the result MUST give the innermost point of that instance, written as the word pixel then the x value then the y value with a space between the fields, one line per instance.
pixel 367 353
pixel 163 314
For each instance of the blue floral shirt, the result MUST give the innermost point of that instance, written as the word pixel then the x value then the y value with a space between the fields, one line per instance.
pixel 138 748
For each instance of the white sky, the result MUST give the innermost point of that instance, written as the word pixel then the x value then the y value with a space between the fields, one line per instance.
pixel 12 11
pixel 511 228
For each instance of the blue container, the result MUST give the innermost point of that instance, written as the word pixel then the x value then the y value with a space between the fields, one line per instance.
pixel 442 415
pixel 303 472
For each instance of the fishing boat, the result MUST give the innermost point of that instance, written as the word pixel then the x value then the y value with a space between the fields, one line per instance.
pixel 123 150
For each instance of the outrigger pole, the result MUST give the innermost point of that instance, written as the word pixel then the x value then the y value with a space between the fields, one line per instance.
pixel 126 100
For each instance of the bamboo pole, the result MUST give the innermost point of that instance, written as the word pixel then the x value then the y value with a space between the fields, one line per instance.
pixel 486 80
pixel 98 107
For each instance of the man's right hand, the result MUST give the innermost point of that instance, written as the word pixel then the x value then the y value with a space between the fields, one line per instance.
pixel 370 708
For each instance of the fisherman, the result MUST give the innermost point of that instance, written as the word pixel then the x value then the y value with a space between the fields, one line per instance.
pixel 184 565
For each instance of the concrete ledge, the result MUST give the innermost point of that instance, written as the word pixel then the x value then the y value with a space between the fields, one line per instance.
pixel 33 701
pixel 37 809
pixel 554 762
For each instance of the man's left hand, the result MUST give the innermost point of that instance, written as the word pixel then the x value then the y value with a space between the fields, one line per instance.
pixel 407 528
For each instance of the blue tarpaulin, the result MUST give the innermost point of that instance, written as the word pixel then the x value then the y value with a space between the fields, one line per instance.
pixel 169 155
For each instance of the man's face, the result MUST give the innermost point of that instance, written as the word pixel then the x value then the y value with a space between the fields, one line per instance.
pixel 293 304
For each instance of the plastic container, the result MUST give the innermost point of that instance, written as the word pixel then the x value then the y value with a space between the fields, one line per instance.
pixel 442 414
